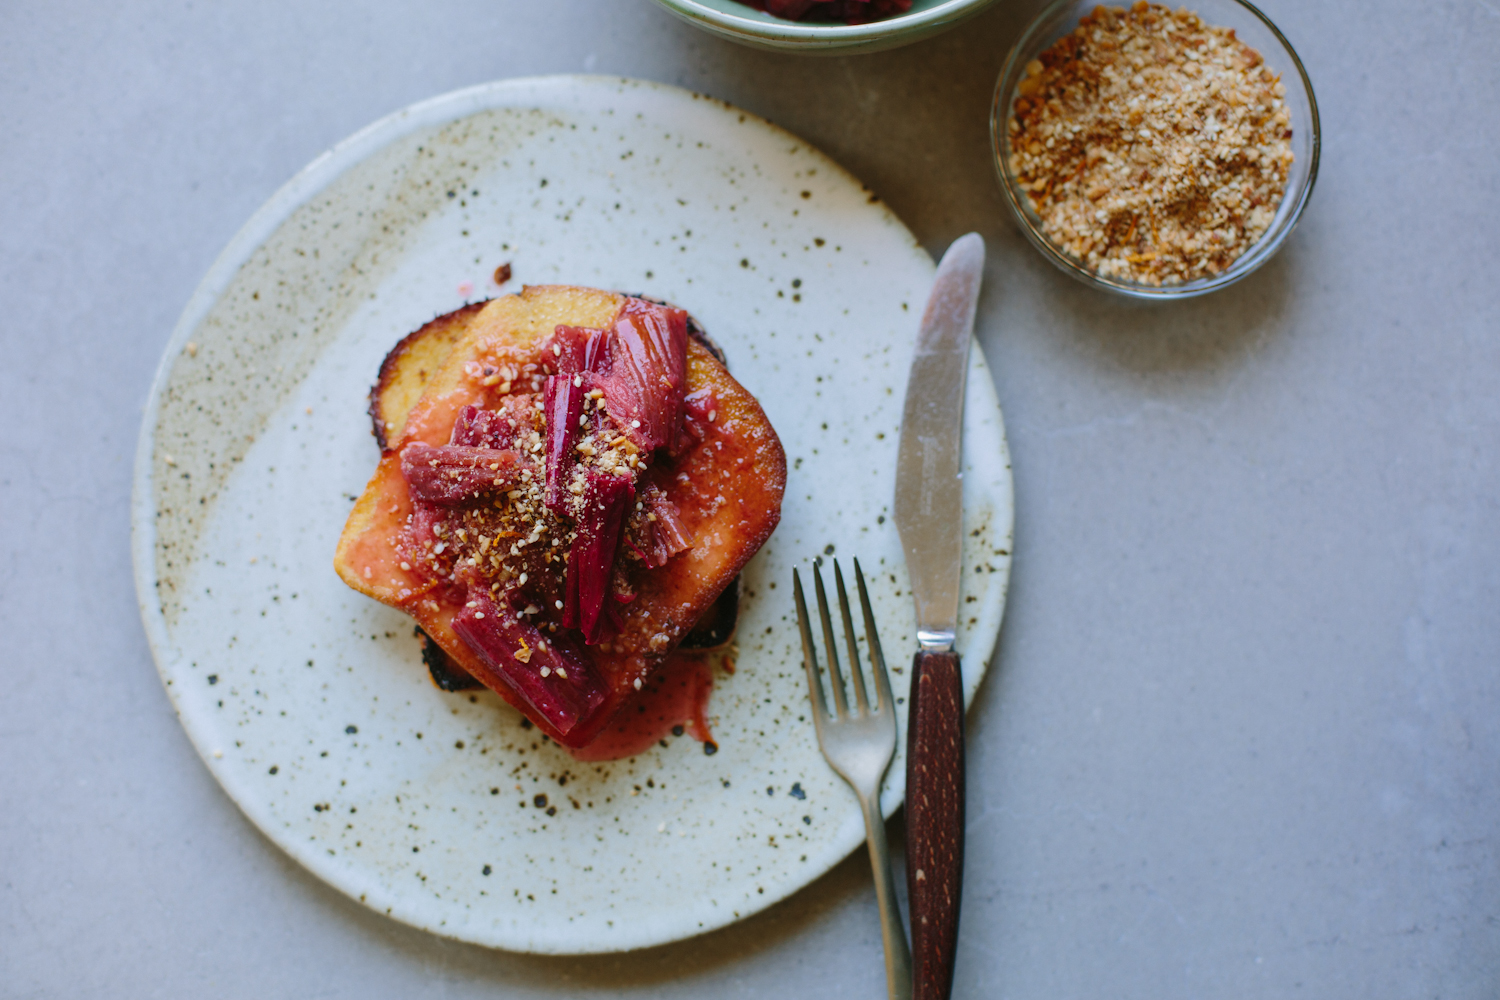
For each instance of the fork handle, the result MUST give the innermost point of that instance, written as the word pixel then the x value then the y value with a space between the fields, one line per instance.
pixel 934 819
pixel 892 934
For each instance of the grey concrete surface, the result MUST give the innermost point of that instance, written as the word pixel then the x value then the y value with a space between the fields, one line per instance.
pixel 1241 737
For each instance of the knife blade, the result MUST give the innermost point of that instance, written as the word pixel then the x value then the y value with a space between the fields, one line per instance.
pixel 929 517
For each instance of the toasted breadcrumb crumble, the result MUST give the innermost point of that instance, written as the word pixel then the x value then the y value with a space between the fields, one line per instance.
pixel 1154 148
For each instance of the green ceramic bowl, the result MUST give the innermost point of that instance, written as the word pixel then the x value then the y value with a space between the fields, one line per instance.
pixel 742 23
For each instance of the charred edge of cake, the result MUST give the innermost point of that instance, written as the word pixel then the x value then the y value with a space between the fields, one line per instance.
pixel 392 364
pixel 709 344
pixel 694 328
pixel 446 674
pixel 716 627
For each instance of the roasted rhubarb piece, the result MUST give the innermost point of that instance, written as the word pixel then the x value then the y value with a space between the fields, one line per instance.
pixel 563 405
pixel 661 533
pixel 578 482
pixel 846 11
pixel 450 475
pixel 548 671
pixel 591 560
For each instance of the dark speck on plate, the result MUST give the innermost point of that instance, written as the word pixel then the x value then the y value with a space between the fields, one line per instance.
pixel 485 870
pixel 797 792
pixel 351 730
pixel 213 678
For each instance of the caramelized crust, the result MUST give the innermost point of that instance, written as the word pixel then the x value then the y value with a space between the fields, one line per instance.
pixel 408 367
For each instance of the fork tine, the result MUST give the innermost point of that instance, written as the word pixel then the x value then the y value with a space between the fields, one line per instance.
pixel 872 638
pixel 835 678
pixel 856 669
pixel 809 653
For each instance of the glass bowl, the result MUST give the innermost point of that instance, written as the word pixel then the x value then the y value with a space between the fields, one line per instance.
pixel 1251 27
pixel 742 23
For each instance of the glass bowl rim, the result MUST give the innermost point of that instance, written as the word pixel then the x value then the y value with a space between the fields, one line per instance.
pixel 1247 263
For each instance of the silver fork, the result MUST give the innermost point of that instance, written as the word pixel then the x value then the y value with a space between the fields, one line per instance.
pixel 859 745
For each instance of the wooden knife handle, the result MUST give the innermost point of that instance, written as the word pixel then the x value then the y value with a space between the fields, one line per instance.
pixel 934 819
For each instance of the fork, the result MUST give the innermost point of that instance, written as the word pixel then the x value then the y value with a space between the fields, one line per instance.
pixel 859 745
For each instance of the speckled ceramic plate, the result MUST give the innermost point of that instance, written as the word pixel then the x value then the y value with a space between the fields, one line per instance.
pixel 309 703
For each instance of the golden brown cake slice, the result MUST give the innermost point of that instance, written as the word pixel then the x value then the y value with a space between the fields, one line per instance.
pixel 561 496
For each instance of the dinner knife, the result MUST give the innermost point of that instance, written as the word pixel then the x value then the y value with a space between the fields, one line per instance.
pixel 929 516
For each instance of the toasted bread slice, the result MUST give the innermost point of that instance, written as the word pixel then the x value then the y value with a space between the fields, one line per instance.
pixel 728 486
